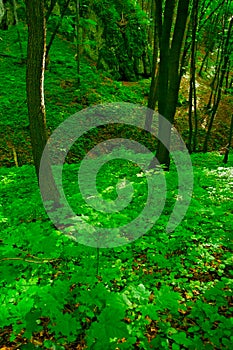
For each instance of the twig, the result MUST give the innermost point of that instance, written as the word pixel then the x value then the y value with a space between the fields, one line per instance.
pixel 32 261
pixel 15 157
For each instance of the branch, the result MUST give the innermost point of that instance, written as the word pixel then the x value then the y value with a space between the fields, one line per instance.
pixel 210 15
pixel 32 261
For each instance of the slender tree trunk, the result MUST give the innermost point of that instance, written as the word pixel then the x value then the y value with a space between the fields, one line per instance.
pixel 18 32
pixel 192 91
pixel 203 62
pixel 209 44
pixel 151 15
pixel 153 94
pixel 207 18
pixel 225 160
pixel 231 84
pixel 50 9
pixel 202 20
pixel 195 117
pixel 185 56
pixel 227 76
pixel 226 55
pixel 2 11
pixel 203 8
pixel 57 28
pixel 78 37
pixel 217 70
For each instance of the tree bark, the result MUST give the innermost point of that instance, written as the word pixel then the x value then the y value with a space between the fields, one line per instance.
pixel 2 11
pixel 225 160
pixel 78 38
pixel 153 94
pixel 169 71
pixel 226 56
pixel 35 92
pixel 192 89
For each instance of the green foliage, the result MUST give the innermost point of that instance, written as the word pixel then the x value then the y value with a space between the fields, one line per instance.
pixel 162 291
pixel 62 96
pixel 124 38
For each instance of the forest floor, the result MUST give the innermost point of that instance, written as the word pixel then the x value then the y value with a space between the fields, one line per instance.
pixel 165 290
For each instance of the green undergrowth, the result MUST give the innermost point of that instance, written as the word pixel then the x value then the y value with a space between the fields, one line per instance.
pixel 63 96
pixel 162 291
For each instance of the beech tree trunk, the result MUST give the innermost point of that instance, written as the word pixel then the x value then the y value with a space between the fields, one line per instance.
pixel 35 92
pixel 35 78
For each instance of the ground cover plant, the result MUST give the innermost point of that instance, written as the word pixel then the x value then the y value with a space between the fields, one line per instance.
pixel 167 291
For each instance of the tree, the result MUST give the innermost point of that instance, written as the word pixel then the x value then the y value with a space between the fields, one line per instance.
pixel 6 16
pixel 192 83
pixel 18 32
pixel 2 11
pixel 63 11
pixel 35 92
pixel 171 30
pixel 225 159
pixel 78 37
pixel 222 70
pixel 153 87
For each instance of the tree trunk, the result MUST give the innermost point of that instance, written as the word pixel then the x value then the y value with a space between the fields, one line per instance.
pixel 192 88
pixel 226 56
pixel 217 69
pixel 78 38
pixel 35 92
pixel 18 32
pixel 169 77
pixel 153 94
pixel 62 14
pixel 50 9
pixel 225 160
pixel 2 11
